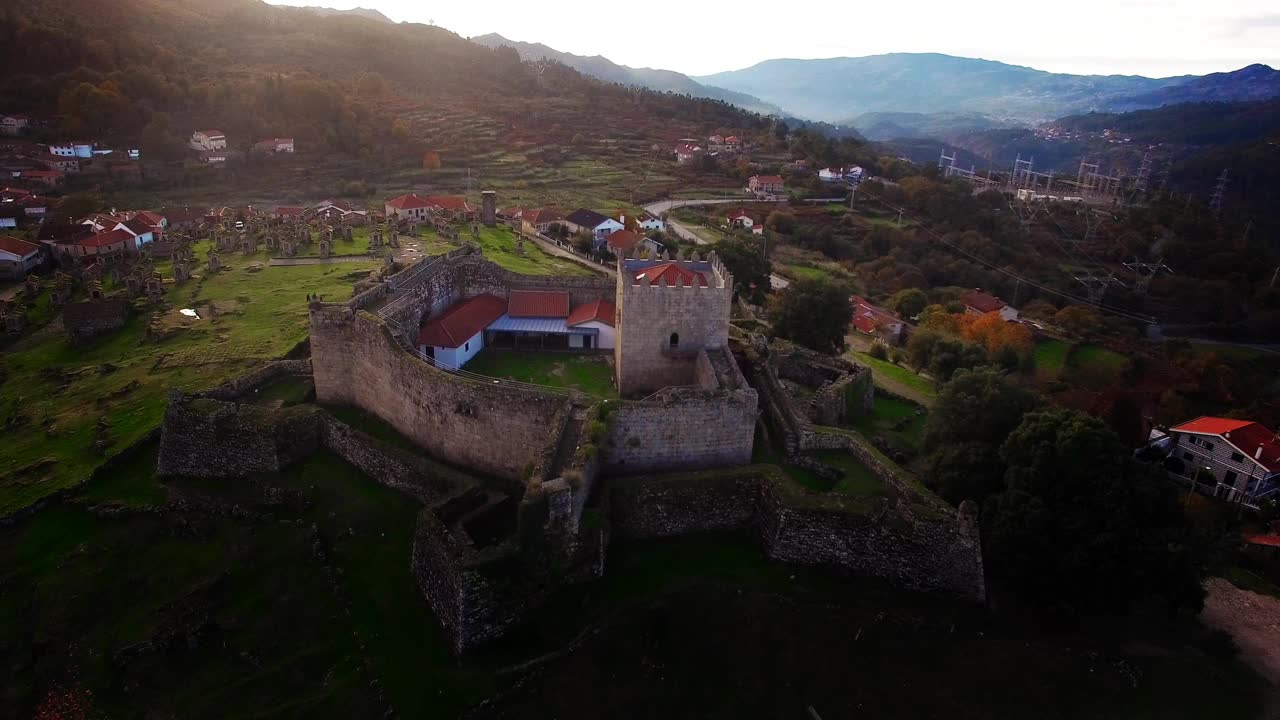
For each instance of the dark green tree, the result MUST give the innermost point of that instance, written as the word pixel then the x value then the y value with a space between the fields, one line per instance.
pixel 750 268
pixel 979 406
pixel 908 302
pixel 1081 528
pixel 813 313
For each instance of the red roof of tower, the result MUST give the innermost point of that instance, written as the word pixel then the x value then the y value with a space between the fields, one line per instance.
pixel 672 273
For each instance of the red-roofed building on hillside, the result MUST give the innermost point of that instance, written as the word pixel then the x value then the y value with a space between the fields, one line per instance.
pixel 287 214
pixel 687 153
pixel 48 178
pixel 17 257
pixel 274 145
pixel 417 207
pixel 1238 460
pixel 598 315
pixel 104 244
pixel 980 303
pixel 876 321
pixel 208 141
pixel 765 185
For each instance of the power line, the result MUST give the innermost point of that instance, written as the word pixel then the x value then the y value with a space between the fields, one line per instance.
pixel 1074 298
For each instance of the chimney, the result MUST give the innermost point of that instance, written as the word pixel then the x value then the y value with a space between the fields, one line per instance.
pixel 1258 453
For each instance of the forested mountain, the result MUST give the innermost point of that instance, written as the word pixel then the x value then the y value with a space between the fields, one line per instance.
pixel 838 89
pixel 369 13
pixel 111 68
pixel 899 125
pixel 605 69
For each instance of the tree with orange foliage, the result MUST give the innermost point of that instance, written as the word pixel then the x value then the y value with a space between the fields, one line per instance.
pixel 431 160
pixel 995 333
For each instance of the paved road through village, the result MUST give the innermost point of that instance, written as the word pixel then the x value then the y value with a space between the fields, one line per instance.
pixel 777 282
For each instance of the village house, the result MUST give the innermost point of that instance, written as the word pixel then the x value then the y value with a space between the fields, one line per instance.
pixel 47 178
pixel 13 124
pixel 82 149
pixel 274 145
pixel 213 157
pixel 733 143
pixel 287 214
pixel 876 321
pixel 590 221
pixel 209 141
pixel 841 175
pixel 648 222
pixel 533 221
pixel 1240 459
pixel 686 153
pixel 765 185
pixel 17 257
pixel 740 219
pixel 69 165
pixel 181 218
pixel 417 207
pixel 980 303
pixel 622 242
pixel 109 244
pixel 526 319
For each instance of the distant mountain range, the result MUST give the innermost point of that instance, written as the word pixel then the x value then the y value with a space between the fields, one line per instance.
pixel 604 69
pixel 840 90
pixel 369 13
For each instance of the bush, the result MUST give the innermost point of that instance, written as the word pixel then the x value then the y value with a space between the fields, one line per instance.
pixel 879 351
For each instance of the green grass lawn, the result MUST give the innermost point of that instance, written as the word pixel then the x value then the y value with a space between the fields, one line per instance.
pixel 802 272
pixel 1049 358
pixel 885 413
pixel 1096 366
pixel 499 245
pixel 588 373
pixel 858 480
pixel 54 393
pixel 899 376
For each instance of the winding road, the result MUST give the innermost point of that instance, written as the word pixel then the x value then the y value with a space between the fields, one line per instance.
pixel 777 282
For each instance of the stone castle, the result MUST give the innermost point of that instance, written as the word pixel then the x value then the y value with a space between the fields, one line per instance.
pixel 552 475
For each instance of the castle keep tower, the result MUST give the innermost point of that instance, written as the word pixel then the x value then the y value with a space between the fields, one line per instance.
pixel 668 310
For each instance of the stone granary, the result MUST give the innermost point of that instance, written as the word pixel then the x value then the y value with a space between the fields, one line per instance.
pixel 84 320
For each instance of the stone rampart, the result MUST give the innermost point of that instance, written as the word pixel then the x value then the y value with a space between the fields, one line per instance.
pixel 494 429
pixel 919 547
pixel 236 388
pixel 204 437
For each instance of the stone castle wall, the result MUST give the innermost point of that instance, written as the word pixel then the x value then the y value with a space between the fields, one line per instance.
pixel 204 437
pixel 935 551
pixel 495 430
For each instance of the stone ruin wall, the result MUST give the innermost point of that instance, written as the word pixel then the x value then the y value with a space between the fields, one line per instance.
pixel 495 430
pixel 205 437
pixel 937 552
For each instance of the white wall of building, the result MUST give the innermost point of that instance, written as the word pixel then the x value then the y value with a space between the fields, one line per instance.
pixel 457 357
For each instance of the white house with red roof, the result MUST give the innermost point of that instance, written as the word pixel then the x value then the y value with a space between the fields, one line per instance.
pixel 686 153
pixel 208 141
pixel 873 320
pixel 275 145
pixel 525 319
pixel 1241 456
pixel 765 185
pixel 17 257
pixel 981 303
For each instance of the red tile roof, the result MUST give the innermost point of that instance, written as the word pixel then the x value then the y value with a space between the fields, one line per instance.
pixel 444 202
pixel 596 311
pixel 150 218
pixel 105 239
pixel 18 246
pixel 546 215
pixel 768 179
pixel 288 211
pixel 531 303
pixel 1252 439
pixel 138 227
pixel 868 318
pixel 673 274
pixel 461 322
pixel 623 240
pixel 739 214
pixel 982 302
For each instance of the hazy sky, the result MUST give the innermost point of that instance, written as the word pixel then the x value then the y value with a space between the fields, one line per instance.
pixel 1143 37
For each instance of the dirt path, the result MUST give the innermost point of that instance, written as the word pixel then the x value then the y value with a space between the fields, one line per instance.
pixel 1253 621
